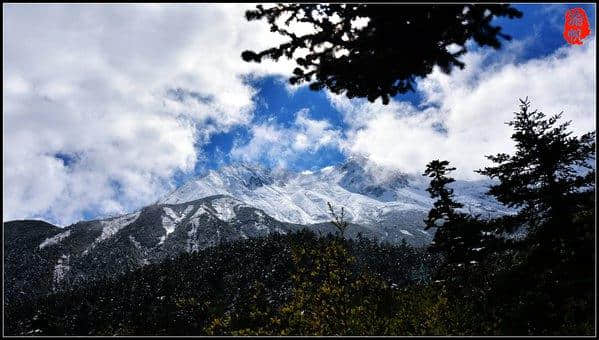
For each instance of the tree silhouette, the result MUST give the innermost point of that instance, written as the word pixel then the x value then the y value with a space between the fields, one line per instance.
pixel 444 207
pixel 384 57
pixel 550 180
pixel 546 175
pixel 459 236
pixel 338 220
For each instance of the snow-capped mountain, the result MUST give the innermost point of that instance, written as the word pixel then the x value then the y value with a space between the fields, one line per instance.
pixel 369 193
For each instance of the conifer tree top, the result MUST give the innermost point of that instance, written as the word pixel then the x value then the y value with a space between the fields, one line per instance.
pixel 444 207
pixel 548 167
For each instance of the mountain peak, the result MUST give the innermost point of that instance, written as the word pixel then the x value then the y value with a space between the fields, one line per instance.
pixel 368 191
pixel 360 159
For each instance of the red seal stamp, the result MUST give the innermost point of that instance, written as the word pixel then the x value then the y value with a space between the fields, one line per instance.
pixel 576 26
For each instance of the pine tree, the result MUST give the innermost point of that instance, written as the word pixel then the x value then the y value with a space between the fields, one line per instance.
pixel 338 220
pixel 550 180
pixel 444 207
pixel 449 237
pixel 545 178
pixel 460 237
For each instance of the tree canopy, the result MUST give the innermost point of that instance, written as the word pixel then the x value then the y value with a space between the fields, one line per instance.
pixel 384 57
pixel 444 207
pixel 459 236
pixel 550 179
pixel 549 169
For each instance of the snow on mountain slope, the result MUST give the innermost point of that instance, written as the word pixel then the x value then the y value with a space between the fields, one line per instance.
pixel 56 258
pixel 367 192
pixel 113 225
pixel 55 239
pixel 235 202
pixel 225 208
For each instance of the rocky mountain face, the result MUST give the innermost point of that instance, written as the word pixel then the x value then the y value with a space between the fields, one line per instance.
pixel 235 202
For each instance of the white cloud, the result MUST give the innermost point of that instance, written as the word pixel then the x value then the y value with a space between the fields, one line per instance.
pixel 93 82
pixel 280 145
pixel 466 111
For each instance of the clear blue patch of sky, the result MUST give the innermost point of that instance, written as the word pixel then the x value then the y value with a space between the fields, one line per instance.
pixel 68 159
pixel 541 26
pixel 275 102
pixel 414 97
pixel 90 214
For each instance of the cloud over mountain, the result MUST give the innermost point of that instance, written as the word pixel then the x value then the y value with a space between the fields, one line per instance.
pixel 461 117
pixel 103 103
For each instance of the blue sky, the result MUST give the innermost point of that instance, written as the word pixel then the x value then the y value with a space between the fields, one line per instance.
pixel 131 101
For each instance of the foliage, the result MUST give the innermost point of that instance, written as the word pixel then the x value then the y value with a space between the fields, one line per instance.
pixel 551 179
pixel 329 298
pixel 383 58
pixel 338 220
pixel 233 288
pixel 549 289
pixel 301 284
pixel 541 283
pixel 544 174
pixel 332 295
pixel 444 207
pixel 463 239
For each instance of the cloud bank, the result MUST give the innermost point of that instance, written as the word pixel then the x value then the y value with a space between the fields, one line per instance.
pixel 462 115
pixel 103 103
pixel 278 145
